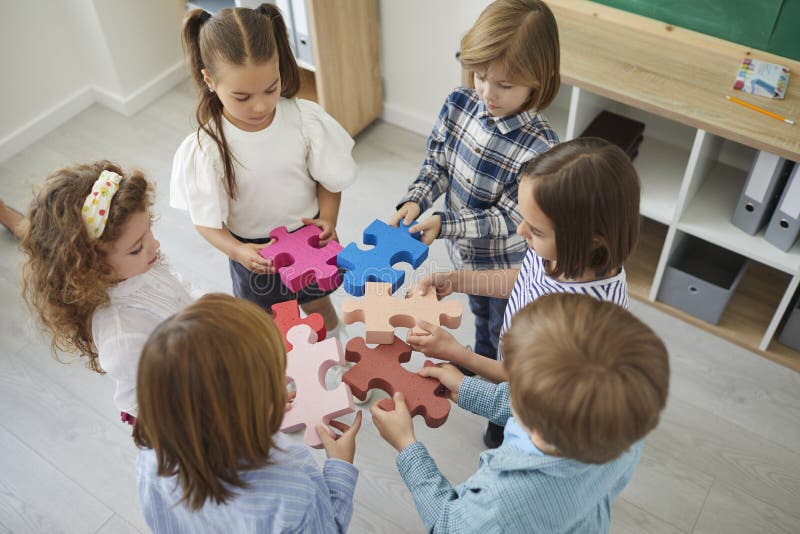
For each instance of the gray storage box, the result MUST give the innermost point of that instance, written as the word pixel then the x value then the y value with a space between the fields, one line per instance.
pixel 790 334
pixel 700 278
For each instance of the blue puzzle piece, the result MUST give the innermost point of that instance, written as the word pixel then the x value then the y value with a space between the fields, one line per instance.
pixel 392 245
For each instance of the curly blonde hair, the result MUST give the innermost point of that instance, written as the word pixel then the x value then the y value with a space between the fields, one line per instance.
pixel 66 276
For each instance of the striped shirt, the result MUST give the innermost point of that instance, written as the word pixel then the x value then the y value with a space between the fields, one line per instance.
pixel 289 495
pixel 533 282
pixel 474 159
pixel 513 490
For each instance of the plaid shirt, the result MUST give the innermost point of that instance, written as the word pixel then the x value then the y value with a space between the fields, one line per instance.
pixel 474 159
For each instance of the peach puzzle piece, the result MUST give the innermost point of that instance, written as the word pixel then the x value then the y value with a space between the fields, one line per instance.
pixel 299 259
pixel 380 368
pixel 287 315
pixel 381 313
pixel 307 364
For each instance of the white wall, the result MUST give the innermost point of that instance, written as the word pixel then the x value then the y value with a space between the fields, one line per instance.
pixel 60 56
pixel 419 39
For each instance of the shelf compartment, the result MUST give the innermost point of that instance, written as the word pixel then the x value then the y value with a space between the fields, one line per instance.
pixel 641 266
pixel 663 153
pixel 708 216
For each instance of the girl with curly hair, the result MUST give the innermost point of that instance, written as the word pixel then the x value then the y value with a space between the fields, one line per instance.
pixel 93 273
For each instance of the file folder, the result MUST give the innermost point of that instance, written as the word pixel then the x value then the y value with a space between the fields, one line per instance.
pixel 762 189
pixel 302 32
pixel 784 227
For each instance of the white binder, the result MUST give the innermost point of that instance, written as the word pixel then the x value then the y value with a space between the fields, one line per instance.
pixel 784 227
pixel 762 189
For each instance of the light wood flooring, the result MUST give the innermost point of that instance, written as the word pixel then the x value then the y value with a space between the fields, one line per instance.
pixel 725 458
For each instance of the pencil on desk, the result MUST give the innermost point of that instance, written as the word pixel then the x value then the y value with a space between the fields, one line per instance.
pixel 760 110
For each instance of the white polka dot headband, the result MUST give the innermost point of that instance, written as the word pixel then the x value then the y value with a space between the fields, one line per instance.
pixel 98 202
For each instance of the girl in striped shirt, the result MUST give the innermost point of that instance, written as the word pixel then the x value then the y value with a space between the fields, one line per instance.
pixel 580 207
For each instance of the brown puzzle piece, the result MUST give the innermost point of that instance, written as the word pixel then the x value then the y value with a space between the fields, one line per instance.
pixel 380 368
pixel 381 313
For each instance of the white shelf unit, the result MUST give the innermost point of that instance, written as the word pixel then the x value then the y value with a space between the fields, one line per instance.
pixel 691 182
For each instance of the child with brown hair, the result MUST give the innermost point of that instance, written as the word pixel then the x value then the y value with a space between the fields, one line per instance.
pixel 212 394
pixel 580 218
pixel 483 136
pixel 260 158
pixel 93 272
pixel 588 381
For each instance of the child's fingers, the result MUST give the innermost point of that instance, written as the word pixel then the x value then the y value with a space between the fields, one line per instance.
pixel 395 220
pixel 324 436
pixel 426 326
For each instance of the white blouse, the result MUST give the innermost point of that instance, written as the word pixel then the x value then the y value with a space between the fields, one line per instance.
pixel 277 170
pixel 121 327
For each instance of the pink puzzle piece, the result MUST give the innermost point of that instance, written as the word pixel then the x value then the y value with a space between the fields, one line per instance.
pixel 300 261
pixel 380 368
pixel 287 315
pixel 381 313
pixel 307 364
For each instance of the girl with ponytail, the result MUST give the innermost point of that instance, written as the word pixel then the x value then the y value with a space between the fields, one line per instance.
pixel 260 158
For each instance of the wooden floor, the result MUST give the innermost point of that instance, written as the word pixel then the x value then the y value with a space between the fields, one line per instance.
pixel 725 458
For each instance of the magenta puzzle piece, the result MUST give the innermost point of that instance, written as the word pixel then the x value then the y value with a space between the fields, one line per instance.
pixel 299 259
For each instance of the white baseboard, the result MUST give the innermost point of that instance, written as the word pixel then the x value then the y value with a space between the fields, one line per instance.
pixel 60 113
pixel 408 119
pixel 144 95
pixel 45 122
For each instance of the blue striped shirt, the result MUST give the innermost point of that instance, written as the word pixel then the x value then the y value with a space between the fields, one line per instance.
pixel 474 159
pixel 289 495
pixel 514 491
pixel 532 282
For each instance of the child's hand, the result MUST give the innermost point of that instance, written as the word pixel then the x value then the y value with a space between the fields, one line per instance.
pixel 342 447
pixel 395 426
pixel 430 228
pixel 437 343
pixel 328 228
pixel 447 374
pixel 247 255
pixel 441 282
pixel 407 213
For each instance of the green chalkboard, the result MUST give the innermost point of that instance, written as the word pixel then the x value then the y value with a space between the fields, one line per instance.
pixel 771 25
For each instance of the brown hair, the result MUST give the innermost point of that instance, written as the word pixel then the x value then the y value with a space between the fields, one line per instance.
pixel 590 377
pixel 66 276
pixel 589 189
pixel 234 36
pixel 211 392
pixel 522 35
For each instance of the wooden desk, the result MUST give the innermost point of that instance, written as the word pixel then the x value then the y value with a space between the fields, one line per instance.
pixel 672 72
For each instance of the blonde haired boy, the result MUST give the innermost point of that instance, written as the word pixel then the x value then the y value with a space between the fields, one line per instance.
pixel 588 381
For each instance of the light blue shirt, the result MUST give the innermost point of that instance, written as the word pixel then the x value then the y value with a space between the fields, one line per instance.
pixel 515 436
pixel 514 491
pixel 290 495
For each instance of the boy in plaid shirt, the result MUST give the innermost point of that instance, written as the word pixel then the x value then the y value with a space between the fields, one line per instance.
pixel 481 139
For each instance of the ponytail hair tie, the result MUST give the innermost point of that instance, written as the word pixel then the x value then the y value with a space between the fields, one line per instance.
pixel 98 202
pixel 204 16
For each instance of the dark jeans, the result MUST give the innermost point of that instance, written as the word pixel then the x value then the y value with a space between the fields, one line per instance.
pixel 488 313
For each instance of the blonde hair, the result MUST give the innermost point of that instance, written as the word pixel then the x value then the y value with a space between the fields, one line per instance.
pixel 66 276
pixel 590 377
pixel 522 35
pixel 234 36
pixel 211 393
pixel 589 190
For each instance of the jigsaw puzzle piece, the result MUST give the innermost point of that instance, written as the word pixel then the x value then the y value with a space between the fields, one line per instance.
pixel 287 315
pixel 381 313
pixel 299 259
pixel 307 364
pixel 380 368
pixel 392 245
